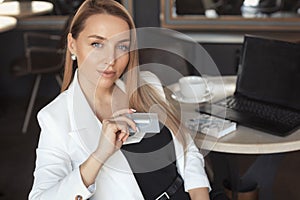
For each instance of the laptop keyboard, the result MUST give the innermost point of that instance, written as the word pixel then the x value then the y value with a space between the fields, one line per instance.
pixel 262 110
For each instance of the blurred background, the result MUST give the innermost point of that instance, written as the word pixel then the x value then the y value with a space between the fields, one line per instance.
pixel 32 38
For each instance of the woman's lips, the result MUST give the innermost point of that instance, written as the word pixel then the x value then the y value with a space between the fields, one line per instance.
pixel 107 73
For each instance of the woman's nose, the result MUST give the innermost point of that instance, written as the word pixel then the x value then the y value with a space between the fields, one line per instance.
pixel 110 56
pixel 110 62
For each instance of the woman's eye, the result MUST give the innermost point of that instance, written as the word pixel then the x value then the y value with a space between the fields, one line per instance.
pixel 123 48
pixel 97 44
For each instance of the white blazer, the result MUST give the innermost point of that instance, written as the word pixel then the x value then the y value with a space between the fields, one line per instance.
pixel 69 134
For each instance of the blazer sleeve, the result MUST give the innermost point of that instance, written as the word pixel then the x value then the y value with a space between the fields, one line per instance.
pixel 54 177
pixel 194 172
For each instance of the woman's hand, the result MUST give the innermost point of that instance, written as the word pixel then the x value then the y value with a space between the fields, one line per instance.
pixel 114 133
pixel 199 193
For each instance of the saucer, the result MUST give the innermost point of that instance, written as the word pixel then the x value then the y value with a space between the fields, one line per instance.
pixel 177 95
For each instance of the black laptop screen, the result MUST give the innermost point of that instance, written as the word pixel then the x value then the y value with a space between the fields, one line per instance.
pixel 270 71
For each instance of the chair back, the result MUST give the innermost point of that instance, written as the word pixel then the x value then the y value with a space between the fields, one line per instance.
pixel 43 52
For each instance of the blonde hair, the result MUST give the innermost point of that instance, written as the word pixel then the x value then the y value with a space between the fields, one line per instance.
pixel 142 97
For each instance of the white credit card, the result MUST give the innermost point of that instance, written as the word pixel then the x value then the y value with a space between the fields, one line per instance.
pixel 145 122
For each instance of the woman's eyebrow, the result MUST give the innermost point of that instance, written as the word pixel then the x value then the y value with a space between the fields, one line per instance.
pixel 97 37
pixel 104 38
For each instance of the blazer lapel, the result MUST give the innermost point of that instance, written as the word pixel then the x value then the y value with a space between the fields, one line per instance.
pixel 86 131
pixel 85 127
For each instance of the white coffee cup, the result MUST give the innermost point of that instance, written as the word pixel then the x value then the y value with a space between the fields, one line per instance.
pixel 193 87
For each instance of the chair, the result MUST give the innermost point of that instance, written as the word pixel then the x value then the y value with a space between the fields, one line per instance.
pixel 43 55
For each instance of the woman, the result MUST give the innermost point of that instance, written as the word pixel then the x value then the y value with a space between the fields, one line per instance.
pixel 85 151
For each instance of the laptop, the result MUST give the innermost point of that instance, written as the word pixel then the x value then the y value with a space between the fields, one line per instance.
pixel 267 95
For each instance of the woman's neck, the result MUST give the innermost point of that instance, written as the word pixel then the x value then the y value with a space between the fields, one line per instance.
pixel 95 94
pixel 104 101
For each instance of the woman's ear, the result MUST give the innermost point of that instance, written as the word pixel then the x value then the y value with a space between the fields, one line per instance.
pixel 71 44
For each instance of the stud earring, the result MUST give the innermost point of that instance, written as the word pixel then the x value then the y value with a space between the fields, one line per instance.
pixel 73 57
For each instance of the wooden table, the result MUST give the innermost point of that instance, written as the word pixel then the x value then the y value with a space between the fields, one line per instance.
pixel 7 23
pixel 242 141
pixel 25 8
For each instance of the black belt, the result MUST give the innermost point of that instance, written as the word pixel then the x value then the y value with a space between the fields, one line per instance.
pixel 172 189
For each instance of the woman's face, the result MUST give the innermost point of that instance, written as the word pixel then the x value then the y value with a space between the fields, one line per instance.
pixel 102 49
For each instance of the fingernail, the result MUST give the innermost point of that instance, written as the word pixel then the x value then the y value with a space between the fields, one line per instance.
pixel 133 110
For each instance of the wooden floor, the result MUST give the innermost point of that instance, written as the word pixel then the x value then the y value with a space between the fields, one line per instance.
pixel 17 153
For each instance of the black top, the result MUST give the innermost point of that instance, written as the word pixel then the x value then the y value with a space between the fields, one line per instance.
pixel 153 162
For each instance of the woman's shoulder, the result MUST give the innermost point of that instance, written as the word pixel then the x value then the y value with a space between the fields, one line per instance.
pixel 56 108
pixel 54 122
pixel 153 80
pixel 149 77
